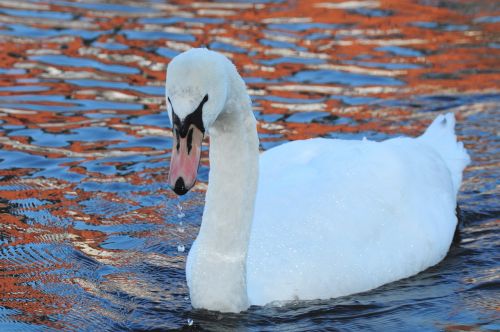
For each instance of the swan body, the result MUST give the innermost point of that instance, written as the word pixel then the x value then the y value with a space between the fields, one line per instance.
pixel 312 219
pixel 338 217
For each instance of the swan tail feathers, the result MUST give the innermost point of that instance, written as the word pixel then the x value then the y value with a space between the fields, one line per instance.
pixel 440 135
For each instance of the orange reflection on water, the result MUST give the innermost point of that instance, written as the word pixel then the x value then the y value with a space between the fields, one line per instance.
pixel 85 143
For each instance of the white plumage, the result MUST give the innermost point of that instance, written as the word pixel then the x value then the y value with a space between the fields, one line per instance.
pixel 353 215
pixel 324 218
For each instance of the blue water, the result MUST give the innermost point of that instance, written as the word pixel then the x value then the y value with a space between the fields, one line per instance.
pixel 92 238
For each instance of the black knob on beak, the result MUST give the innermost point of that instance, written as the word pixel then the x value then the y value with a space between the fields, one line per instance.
pixel 180 187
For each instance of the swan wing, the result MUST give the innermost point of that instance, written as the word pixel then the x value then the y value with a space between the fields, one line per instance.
pixel 336 217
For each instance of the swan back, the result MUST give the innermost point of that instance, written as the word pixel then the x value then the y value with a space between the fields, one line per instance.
pixel 339 217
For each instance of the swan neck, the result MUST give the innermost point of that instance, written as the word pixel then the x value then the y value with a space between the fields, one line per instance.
pixel 218 262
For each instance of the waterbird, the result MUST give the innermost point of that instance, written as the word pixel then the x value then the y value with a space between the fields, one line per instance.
pixel 309 219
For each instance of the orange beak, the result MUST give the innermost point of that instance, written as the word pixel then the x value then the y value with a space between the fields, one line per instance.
pixel 185 160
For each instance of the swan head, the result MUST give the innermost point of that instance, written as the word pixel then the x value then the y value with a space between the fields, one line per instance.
pixel 196 91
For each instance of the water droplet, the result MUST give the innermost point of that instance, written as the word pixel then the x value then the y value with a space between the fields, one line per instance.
pixel 190 322
pixel 180 214
pixel 181 248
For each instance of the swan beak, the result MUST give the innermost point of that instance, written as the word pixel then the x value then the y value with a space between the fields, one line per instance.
pixel 186 153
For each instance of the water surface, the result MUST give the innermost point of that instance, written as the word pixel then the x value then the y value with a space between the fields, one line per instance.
pixel 91 238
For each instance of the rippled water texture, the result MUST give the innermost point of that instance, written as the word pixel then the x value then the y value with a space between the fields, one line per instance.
pixel 91 238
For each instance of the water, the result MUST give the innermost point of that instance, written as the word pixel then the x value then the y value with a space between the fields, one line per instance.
pixel 91 238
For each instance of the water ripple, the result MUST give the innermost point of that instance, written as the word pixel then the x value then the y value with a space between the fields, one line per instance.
pixel 91 237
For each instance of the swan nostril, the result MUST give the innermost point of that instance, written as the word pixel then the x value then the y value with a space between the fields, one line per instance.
pixel 180 187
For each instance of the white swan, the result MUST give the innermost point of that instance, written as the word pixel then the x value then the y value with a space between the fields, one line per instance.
pixel 324 218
